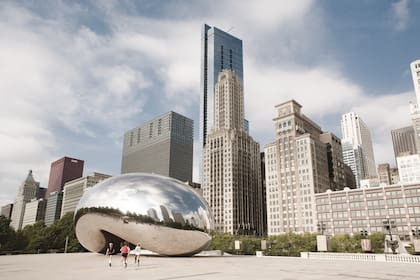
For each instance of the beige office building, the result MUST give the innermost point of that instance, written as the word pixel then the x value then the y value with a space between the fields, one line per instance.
pixel 74 190
pixel 296 167
pixel 351 211
pixel 34 212
pixel 231 164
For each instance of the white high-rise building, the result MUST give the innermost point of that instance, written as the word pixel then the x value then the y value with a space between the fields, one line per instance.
pixel 353 127
pixel 415 107
pixel 415 74
pixel 409 168
pixel 27 191
pixel 231 164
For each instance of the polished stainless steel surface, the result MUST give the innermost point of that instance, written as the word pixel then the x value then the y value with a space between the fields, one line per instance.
pixel 164 215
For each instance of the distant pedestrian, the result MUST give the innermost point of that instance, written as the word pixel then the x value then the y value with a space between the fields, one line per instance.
pixel 110 251
pixel 124 253
pixel 137 252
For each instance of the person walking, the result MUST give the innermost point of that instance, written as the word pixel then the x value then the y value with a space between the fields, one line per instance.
pixel 124 253
pixel 137 252
pixel 110 251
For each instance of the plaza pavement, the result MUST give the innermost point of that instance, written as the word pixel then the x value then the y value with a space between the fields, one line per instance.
pixel 81 266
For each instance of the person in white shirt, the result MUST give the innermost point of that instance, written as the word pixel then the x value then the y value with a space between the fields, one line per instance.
pixel 137 252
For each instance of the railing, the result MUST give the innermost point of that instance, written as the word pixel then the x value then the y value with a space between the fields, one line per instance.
pixel 361 257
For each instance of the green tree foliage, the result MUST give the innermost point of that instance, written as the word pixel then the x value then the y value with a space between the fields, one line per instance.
pixel 38 238
pixel 291 244
pixel 58 232
pixel 378 242
pixel 7 234
pixel 283 245
pixel 345 243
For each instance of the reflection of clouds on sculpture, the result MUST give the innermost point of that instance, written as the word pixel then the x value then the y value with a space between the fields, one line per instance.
pixel 143 200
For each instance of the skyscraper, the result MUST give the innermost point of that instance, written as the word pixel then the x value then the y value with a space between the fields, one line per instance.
pixel 335 161
pixel 27 191
pixel 352 156
pixel 415 74
pixel 415 108
pixel 34 211
pixel 219 50
pixel 53 207
pixel 353 127
pixel 73 190
pixel 403 141
pixel 296 167
pixel 163 146
pixel 63 170
pixel 231 162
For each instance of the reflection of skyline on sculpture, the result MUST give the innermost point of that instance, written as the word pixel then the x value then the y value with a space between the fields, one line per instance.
pixel 144 208
pixel 174 198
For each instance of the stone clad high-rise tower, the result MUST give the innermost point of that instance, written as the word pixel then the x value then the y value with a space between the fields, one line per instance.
pixel 231 163
pixel 296 167
pixel 27 191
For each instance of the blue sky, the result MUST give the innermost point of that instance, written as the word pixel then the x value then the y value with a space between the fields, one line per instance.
pixel 76 75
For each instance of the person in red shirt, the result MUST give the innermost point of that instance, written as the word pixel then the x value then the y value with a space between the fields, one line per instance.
pixel 124 253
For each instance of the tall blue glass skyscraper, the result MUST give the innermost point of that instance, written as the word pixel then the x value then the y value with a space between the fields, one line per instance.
pixel 219 50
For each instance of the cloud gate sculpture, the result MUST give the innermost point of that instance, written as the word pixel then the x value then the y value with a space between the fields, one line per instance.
pixel 162 214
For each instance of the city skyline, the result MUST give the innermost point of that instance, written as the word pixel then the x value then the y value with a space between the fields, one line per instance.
pixel 77 75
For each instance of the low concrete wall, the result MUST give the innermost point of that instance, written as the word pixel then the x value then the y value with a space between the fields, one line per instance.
pixel 361 257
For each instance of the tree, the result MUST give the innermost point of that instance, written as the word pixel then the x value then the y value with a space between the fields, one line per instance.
pixel 59 231
pixel 6 233
pixel 36 236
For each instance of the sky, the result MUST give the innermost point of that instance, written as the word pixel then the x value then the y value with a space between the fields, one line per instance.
pixel 75 75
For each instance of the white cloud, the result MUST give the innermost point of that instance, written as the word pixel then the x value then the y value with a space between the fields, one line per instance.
pixel 63 80
pixel 401 14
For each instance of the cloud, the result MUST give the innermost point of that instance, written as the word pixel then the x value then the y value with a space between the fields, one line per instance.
pixel 76 76
pixel 400 14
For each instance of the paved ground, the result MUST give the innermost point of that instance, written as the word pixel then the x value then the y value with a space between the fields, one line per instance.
pixel 95 266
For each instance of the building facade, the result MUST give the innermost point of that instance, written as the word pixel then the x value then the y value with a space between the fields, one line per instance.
pixel 219 50
pixel 27 191
pixel 384 174
pixel 403 141
pixel 296 168
pixel 415 106
pixel 73 190
pixel 53 207
pixel 353 127
pixel 163 146
pixel 34 212
pixel 351 211
pixel 231 164
pixel 353 157
pixel 63 170
pixel 6 210
pixel 336 171
pixel 409 168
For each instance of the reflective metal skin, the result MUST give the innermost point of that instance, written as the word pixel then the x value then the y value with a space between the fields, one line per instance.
pixel 162 214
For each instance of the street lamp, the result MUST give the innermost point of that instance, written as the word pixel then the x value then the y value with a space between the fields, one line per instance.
pixel 393 244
